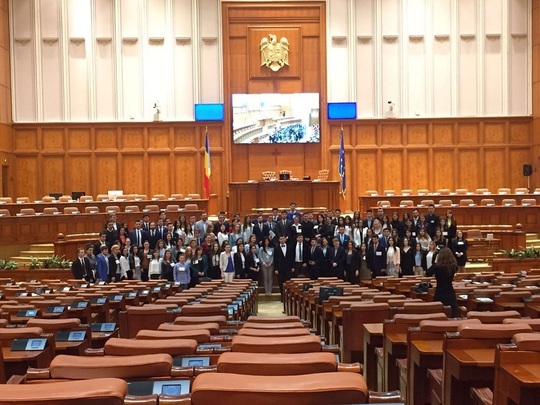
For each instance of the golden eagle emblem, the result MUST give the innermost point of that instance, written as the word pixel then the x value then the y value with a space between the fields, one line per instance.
pixel 273 54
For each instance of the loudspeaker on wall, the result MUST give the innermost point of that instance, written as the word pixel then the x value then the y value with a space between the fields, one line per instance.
pixel 527 170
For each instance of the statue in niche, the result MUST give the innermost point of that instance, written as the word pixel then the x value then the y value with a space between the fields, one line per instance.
pixel 274 54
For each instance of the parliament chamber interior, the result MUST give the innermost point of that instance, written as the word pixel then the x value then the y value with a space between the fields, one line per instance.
pixel 290 202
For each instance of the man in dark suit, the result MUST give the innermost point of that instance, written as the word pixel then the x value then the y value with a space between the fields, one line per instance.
pixel 314 258
pixel 376 257
pixel 111 234
pixel 283 262
pixel 300 256
pixel 307 227
pixel 368 222
pixel 432 221
pixel 221 220
pixel 343 239
pixel 102 264
pixel 295 228
pixel 261 229
pixel 337 259
pixel 153 235
pixel 145 224
pixel 137 235
pixel 101 242
pixel 81 265
pixel 283 226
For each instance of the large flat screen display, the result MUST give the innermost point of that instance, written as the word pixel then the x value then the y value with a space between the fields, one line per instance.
pixel 275 118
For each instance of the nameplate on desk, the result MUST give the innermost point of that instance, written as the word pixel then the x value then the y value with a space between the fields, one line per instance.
pixel 79 304
pixel 490 205
pixel 194 361
pixel 71 336
pixel 130 295
pixel 156 289
pixel 484 299
pixel 37 344
pixel 472 205
pixel 207 346
pixel 144 292
pixel 27 313
pixel 103 327
pixel 116 298
pixel 99 301
pixel 55 310
pixel 167 387
pixel 21 294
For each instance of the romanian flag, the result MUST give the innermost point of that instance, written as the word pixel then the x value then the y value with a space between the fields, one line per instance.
pixel 341 166
pixel 207 167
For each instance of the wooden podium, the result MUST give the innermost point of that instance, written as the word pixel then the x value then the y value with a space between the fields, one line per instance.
pixel 244 196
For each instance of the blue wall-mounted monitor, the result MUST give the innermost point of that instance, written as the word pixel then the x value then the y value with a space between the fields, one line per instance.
pixel 209 112
pixel 342 111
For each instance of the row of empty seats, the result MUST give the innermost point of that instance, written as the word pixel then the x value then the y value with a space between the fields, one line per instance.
pixel 464 202
pixel 459 191
pixel 101 198
pixel 95 210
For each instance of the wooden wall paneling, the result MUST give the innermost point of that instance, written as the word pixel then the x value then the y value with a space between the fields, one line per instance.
pixel 159 173
pixel 312 161
pixel 391 170
pixel 79 139
pixel 496 174
pixel 443 134
pixel 494 133
pixel 442 169
pixel 313 71
pixel 27 175
pixel 134 173
pixel 106 139
pixel 158 138
pixel 468 168
pixel 419 171
pixel 106 172
pixel 132 138
pixel 52 140
pixel 520 133
pixel 366 170
pixel 52 175
pixel 79 174
pixel 185 180
pixel 391 135
pixel 417 134
pixel 238 66
pixel 468 134
pixel 517 157
pixel 26 140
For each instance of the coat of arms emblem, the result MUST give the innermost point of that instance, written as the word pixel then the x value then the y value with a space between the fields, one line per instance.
pixel 274 54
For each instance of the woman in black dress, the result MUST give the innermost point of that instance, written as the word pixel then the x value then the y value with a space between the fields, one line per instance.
pixel 460 246
pixel 325 266
pixel 407 258
pixel 352 263
pixel 444 269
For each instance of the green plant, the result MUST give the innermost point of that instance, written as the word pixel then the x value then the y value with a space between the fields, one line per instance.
pixel 524 253
pixel 34 263
pixel 8 264
pixel 56 262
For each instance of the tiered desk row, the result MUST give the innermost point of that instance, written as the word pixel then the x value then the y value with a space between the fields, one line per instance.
pixel 401 336
pixel 42 221
pixel 480 207
pixel 150 343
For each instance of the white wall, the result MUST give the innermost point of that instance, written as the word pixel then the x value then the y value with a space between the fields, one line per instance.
pixel 108 60
pixel 432 58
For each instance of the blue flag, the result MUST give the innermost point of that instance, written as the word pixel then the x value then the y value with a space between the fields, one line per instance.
pixel 341 166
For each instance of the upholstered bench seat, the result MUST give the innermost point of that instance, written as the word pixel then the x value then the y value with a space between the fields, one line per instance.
pixel 212 327
pixel 313 389
pixel 199 335
pixel 110 391
pixel 82 368
pixel 129 347
pixel 190 320
pixel 284 325
pixel 273 332
pixel 273 319
pixel 276 364
pixel 290 344
pixel 53 325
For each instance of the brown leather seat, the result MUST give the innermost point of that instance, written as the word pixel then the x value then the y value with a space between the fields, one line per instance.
pixel 273 319
pixel 82 368
pixel 127 347
pixel 492 317
pixel 527 341
pixel 211 327
pixel 273 332
pixel 445 326
pixel 533 323
pixel 202 310
pixel 276 364
pixel 137 318
pixel 284 325
pixel 290 344
pixel 323 388
pixel 99 391
pixel 493 331
pixel 221 320
pixel 199 335
pixel 54 325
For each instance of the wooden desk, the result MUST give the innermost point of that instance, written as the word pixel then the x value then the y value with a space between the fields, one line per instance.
pixel 305 193
pixel 422 355
pixel 466 368
pixel 39 206
pixel 17 362
pixel 517 377
pixel 527 216
pixel 367 202
pixel 45 228
pixel 373 338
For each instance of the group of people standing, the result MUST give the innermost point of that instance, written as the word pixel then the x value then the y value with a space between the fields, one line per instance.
pixel 286 243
